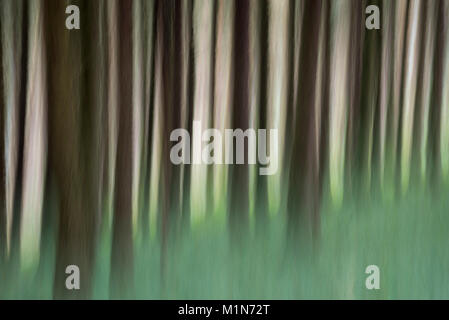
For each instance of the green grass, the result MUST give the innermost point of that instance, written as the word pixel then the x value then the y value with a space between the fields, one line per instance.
pixel 407 239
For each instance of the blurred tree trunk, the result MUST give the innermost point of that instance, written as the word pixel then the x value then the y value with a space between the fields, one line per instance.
pixel 19 133
pixel 211 112
pixel 293 47
pixel 357 34
pixel 165 43
pixel 11 48
pixel 427 62
pixel 260 8
pixel 93 107
pixel 302 206
pixel 148 30
pixel 169 24
pixel 35 143
pixel 122 249
pixel 338 97
pixel 3 248
pixel 410 87
pixel 400 18
pixel 278 95
pixel 437 100
pixel 111 110
pixel 138 108
pixel 187 106
pixel 239 173
pixel 65 124
pixel 444 119
pixel 171 36
pixel 222 92
pixel 203 26
pixel 369 103
pixel 385 84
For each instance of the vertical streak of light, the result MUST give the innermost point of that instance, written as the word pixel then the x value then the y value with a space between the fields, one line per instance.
pixel 385 82
pixel 35 143
pixel 157 128
pixel 223 91
pixel 112 100
pixel 138 100
pixel 202 39
pixel 277 88
pixel 319 85
pixel 338 97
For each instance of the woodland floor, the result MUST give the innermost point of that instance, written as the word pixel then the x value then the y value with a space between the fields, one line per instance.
pixel 408 240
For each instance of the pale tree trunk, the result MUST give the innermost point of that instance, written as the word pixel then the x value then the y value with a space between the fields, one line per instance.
pixel 385 84
pixel 277 90
pixel 203 17
pixel 35 145
pixel 222 91
pixel 339 79
pixel 410 83
pixel 111 109
pixel 138 100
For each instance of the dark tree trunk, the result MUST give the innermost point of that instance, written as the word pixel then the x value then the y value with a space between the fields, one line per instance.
pixel 65 117
pixel 262 180
pixel 370 74
pixel 20 132
pixel 2 167
pixel 355 88
pixel 189 78
pixel 239 173
pixel 170 24
pixel 122 248
pixel 303 205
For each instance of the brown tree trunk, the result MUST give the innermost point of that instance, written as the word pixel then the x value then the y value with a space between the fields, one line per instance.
pixel 2 167
pixel 369 103
pixel 355 88
pixel 65 92
pixel 239 173
pixel 261 180
pixel 122 247
pixel 188 81
pixel 303 204
pixel 20 139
